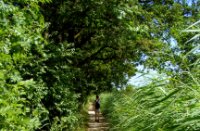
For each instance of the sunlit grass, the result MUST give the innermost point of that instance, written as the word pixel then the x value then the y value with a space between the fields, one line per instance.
pixel 172 106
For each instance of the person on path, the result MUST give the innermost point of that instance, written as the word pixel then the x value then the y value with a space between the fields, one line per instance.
pixel 97 108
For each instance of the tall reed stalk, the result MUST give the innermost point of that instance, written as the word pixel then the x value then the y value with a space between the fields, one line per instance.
pixel 172 106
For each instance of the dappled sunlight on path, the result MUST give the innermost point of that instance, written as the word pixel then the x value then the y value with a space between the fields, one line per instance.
pixel 102 125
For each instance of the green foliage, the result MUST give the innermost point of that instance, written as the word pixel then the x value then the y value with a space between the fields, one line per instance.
pixel 63 107
pixel 21 107
pixel 34 94
pixel 156 107
pixel 50 65
pixel 104 38
pixel 24 88
pixel 160 106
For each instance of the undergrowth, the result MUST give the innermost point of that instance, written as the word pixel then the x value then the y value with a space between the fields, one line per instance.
pixel 154 108
pixel 171 105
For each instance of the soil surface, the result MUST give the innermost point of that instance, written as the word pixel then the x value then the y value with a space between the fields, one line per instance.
pixel 102 125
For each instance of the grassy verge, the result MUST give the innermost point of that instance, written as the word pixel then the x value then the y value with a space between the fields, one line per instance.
pixel 157 107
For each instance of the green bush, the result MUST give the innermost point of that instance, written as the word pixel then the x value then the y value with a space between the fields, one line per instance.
pixel 27 101
pixel 20 99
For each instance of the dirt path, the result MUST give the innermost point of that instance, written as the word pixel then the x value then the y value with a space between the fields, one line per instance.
pixel 102 125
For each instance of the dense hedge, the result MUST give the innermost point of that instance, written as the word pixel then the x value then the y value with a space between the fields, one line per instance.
pixel 24 87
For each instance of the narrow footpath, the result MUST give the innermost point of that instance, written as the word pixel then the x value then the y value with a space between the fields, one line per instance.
pixel 102 125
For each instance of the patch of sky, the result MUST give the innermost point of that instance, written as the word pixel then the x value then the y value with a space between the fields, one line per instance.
pixel 144 57
pixel 173 42
pixel 171 67
pixel 146 76
pixel 155 21
pixel 186 2
pixel 197 51
pixel 147 2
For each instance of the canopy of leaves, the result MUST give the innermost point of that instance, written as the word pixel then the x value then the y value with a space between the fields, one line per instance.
pixel 55 53
pixel 103 41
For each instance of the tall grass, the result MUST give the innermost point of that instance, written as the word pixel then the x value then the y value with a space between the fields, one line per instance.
pixel 173 106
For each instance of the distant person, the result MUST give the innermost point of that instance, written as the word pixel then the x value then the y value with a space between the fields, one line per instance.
pixel 97 108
